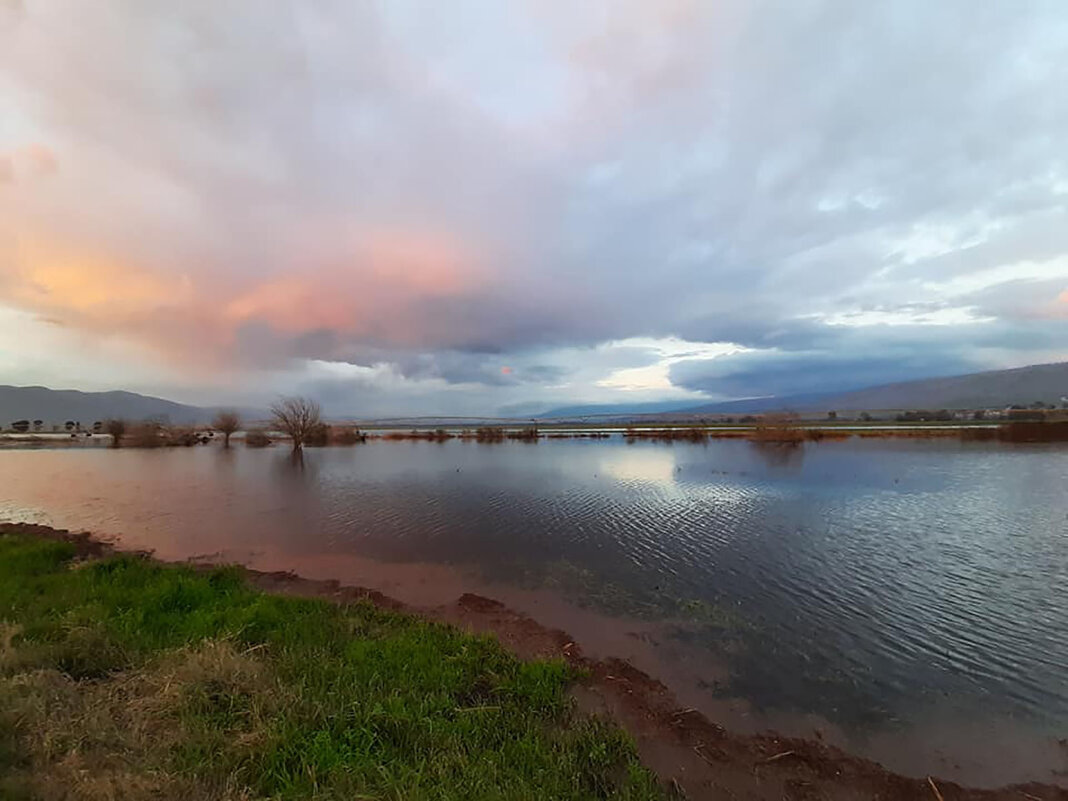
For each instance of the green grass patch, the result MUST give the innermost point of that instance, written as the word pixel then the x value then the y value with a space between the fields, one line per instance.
pixel 124 678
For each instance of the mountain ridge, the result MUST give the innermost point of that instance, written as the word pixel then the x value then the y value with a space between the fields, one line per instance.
pixel 56 406
pixel 1047 383
pixel 985 389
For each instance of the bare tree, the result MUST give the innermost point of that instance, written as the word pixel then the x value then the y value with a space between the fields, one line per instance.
pixel 227 422
pixel 117 430
pixel 297 417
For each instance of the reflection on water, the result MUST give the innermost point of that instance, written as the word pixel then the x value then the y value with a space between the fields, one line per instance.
pixel 653 466
pixel 787 455
pixel 889 593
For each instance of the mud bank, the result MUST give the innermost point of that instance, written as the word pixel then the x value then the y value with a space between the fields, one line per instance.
pixel 694 757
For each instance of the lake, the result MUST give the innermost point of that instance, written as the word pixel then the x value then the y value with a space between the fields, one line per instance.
pixel 907 599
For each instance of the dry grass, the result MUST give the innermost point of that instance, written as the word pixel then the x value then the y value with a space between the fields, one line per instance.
pixel 668 434
pixel 489 434
pixel 819 434
pixel 529 434
pixel 909 433
pixel 180 436
pixel 784 434
pixel 113 738
pixel 144 435
pixel 438 435
pixel 346 435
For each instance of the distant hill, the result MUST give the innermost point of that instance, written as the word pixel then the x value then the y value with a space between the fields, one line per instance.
pixel 610 409
pixel 59 405
pixel 995 388
pixel 992 389
pixel 811 400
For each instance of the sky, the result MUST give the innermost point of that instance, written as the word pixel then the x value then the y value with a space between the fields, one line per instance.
pixel 476 208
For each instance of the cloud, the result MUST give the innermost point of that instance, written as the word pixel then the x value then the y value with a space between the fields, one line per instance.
pixel 447 193
pixel 761 374
pixel 852 357
pixel 41 158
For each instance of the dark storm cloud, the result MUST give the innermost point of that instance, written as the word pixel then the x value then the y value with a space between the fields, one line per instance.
pixel 762 374
pixel 855 357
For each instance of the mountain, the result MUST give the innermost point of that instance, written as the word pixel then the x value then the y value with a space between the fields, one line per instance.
pixel 610 409
pixel 59 405
pixel 992 389
pixel 811 400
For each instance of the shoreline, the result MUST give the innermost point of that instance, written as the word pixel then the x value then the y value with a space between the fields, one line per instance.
pixel 759 433
pixel 693 756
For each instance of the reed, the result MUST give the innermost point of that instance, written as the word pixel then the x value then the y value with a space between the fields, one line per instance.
pixel 529 434
pixel 489 434
pixel 692 434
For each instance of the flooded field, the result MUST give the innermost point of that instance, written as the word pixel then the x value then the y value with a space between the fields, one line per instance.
pixel 906 599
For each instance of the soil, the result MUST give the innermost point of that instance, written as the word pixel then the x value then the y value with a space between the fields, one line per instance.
pixel 694 757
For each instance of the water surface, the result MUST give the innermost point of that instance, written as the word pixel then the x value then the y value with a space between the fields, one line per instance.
pixel 907 599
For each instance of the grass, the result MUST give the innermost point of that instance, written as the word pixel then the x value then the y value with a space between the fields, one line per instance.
pixel 124 678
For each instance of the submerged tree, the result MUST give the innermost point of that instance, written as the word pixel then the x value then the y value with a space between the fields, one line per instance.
pixel 227 422
pixel 297 417
pixel 117 430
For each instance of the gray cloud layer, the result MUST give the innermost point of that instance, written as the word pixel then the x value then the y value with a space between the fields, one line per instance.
pixel 477 196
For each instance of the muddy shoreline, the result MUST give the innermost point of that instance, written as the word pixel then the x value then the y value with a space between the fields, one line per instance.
pixel 695 757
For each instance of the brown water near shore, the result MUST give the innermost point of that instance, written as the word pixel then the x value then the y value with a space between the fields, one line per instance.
pixel 694 757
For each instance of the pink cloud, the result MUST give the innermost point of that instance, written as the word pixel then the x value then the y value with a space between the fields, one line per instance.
pixel 41 158
pixel 378 287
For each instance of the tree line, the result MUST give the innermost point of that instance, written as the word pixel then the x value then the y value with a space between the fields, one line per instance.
pixel 299 419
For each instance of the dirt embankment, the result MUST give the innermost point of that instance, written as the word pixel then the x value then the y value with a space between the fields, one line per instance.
pixel 695 758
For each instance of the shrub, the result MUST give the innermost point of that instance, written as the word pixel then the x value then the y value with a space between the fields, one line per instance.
pixel 145 435
pixel 179 436
pixel 777 434
pixel 529 434
pixel 317 435
pixel 117 430
pixel 347 435
pixel 257 438
pixel 693 434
